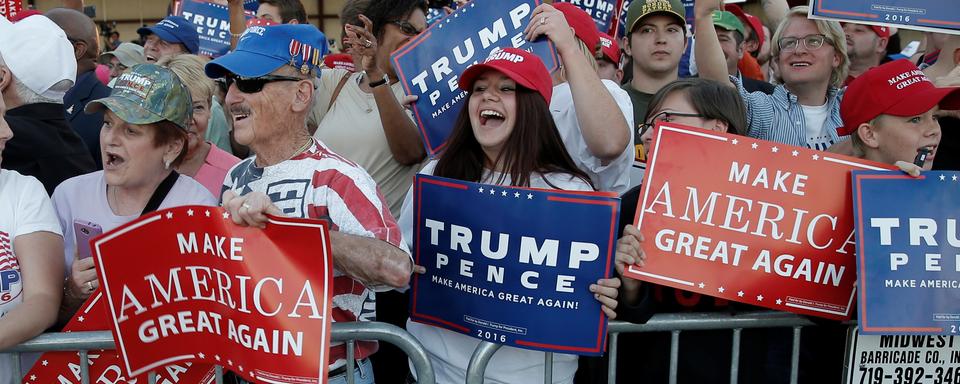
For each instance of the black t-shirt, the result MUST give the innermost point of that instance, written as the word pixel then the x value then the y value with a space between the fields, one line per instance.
pixel 44 146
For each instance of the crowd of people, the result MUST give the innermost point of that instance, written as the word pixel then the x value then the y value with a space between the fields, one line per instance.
pixel 266 130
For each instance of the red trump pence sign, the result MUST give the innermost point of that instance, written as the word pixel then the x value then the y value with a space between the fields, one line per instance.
pixel 752 221
pixel 187 285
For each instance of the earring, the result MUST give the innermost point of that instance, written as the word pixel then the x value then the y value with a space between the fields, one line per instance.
pixel 166 164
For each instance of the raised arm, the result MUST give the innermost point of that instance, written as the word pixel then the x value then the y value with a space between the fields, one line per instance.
pixel 710 61
pixel 775 11
pixel 238 22
pixel 601 121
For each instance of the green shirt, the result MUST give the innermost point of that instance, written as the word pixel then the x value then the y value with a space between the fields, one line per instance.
pixel 640 103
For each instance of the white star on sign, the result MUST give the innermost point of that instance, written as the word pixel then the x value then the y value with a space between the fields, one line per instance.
pixel 241 368
pixel 740 294
pixel 942 177
pixel 492 192
pixel 80 319
pixel 754 145
pixel 734 141
pixel 216 357
pixel 480 189
pixel 207 213
pixel 954 178
pixel 702 285
pixel 529 196
pixel 816 157
pixel 779 301
pixel 45 363
pixel 503 193
pixel 759 297
pixel 720 289
pixel 226 215
pixel 169 215
pixel 774 149
pixel 189 212
pixel 516 195
pixel 795 153
pixel 229 362
pixel 33 377
pixel 201 355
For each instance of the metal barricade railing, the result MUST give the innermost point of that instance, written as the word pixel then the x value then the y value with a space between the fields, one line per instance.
pixel 346 332
pixel 674 323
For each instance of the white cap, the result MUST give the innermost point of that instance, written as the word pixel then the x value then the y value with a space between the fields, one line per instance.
pixel 39 54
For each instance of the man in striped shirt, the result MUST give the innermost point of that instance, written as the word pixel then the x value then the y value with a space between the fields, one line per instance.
pixel 804 110
pixel 270 94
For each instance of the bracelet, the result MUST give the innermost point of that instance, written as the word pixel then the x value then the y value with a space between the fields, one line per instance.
pixel 374 84
pixel 237 35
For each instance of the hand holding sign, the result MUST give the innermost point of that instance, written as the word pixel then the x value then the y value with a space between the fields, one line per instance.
pixel 250 209
pixel 630 252
pixel 548 21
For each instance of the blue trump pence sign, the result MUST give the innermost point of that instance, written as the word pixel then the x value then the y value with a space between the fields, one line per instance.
pixel 430 64
pixel 927 15
pixel 500 260
pixel 908 251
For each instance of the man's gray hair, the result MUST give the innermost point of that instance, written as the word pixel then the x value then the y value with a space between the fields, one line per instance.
pixel 28 96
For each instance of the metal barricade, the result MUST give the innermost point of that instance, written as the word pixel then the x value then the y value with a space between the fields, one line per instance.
pixel 346 332
pixel 674 323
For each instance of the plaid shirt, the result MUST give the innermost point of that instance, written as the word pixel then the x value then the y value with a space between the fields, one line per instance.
pixel 779 117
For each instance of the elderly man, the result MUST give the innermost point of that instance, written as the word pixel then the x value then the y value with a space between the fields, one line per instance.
pixel 82 33
pixel 172 36
pixel 269 96
pixel 37 67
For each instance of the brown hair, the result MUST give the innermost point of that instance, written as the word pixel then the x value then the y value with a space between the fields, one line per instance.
pixel 166 132
pixel 289 10
pixel 710 98
pixel 534 145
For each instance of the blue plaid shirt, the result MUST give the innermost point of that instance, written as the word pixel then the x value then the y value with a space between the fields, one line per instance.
pixel 779 117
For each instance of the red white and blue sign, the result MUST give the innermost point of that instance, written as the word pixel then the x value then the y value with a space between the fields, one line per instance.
pixel 603 12
pixel 213 23
pixel 500 260
pixel 430 64
pixel 908 251
pixel 758 222
pixel 924 15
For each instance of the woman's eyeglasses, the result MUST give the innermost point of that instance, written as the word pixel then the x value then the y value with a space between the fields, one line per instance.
pixel 666 117
pixel 811 42
pixel 406 28
pixel 251 84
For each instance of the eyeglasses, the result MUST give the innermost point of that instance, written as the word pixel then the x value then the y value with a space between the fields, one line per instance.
pixel 665 116
pixel 251 84
pixel 406 28
pixel 811 42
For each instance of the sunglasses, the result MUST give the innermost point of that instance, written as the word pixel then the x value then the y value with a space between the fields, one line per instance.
pixel 251 84
pixel 406 28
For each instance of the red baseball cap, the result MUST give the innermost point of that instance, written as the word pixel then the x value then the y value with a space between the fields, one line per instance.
pixel 523 67
pixel 340 61
pixel 583 25
pixel 896 88
pixel 24 14
pixel 880 31
pixel 610 48
pixel 748 19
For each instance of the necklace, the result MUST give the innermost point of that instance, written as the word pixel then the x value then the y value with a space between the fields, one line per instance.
pixel 302 148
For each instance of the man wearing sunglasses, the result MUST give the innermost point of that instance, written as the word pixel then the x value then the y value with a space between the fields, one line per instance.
pixel 811 55
pixel 270 92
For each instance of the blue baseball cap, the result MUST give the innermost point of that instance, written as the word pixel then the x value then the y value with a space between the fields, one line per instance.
pixel 175 29
pixel 262 50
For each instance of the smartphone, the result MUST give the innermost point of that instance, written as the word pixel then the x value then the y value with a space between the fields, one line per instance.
pixel 83 231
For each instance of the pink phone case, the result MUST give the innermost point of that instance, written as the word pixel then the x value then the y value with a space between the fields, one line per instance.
pixel 84 231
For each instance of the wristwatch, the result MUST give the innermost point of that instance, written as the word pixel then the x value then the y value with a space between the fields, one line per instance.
pixel 374 84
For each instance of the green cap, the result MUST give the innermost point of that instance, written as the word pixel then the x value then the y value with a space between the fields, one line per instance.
pixel 728 21
pixel 147 94
pixel 639 9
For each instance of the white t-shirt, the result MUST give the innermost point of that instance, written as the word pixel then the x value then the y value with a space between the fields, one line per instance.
pixel 84 198
pixel 24 209
pixel 815 118
pixel 450 351
pixel 615 175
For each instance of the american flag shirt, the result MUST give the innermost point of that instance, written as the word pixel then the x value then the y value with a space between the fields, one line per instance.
pixel 319 184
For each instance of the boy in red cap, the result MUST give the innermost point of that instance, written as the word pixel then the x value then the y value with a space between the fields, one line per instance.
pixel 890 112
pixel 608 65
pixel 866 47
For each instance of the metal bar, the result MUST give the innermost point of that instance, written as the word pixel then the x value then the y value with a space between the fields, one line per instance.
pixel 665 322
pixel 17 369
pixel 152 377
pixel 674 352
pixel 735 357
pixel 66 341
pixel 612 359
pixel 369 330
pixel 548 368
pixel 795 357
pixel 478 362
pixel 218 374
pixel 84 367
pixel 351 360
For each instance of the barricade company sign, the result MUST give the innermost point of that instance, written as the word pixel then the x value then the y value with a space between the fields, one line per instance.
pixel 748 220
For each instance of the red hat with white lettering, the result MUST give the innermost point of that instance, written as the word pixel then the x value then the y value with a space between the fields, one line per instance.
pixel 896 88
pixel 523 67
pixel 611 50
pixel 583 25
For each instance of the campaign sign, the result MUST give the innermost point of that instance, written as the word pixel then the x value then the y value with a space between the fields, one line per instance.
pixel 908 251
pixel 500 260
pixel 10 8
pixel 186 284
pixel 213 23
pixel 748 220
pixel 602 11
pixel 430 64
pixel 105 366
pixel 892 359
pixel 924 15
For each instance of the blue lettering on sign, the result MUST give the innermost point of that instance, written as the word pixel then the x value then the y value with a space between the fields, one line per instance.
pixel 8 278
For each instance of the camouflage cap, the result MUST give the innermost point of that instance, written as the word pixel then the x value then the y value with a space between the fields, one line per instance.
pixel 639 9
pixel 148 94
